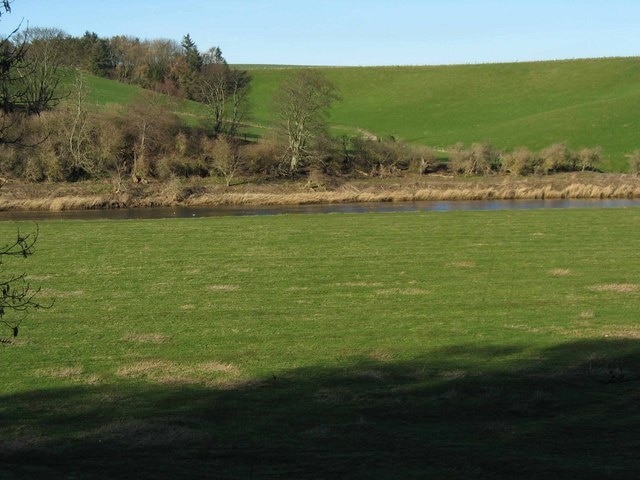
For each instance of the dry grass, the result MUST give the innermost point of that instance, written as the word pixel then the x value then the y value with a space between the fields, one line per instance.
pixel 462 264
pixel 223 288
pixel 154 338
pixel 217 367
pixel 403 291
pixel 381 355
pixel 75 374
pixel 60 197
pixel 560 272
pixel 51 293
pixel 63 372
pixel 616 287
pixel 622 332
pixel 359 284
pixel 164 372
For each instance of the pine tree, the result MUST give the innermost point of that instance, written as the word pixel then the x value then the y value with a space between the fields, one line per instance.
pixel 100 60
pixel 192 55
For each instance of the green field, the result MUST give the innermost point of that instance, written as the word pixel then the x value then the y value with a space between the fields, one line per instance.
pixel 420 345
pixel 584 103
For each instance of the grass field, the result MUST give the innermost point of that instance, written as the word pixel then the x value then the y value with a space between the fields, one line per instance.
pixel 584 103
pixel 424 345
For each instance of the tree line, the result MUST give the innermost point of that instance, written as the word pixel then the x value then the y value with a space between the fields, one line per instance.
pixel 161 65
pixel 70 139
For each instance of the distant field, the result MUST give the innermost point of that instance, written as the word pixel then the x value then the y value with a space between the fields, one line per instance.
pixel 446 345
pixel 585 103
pixel 581 102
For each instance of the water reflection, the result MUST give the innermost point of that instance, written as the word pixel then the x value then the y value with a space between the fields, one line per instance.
pixel 378 207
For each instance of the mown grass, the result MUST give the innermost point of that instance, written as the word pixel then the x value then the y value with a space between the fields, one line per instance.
pixel 455 345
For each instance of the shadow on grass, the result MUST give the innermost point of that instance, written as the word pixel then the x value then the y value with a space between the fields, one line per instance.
pixel 461 412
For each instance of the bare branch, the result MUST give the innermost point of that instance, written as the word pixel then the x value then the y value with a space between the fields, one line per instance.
pixel 16 294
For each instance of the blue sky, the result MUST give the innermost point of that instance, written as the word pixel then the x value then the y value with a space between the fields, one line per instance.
pixel 357 32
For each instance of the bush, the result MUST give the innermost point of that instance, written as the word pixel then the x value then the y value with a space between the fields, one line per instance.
pixel 634 162
pixel 9 161
pixel 221 157
pixel 520 162
pixel 556 158
pixel 589 158
pixel 480 159
pixel 424 160
pixel 263 157
pixel 380 158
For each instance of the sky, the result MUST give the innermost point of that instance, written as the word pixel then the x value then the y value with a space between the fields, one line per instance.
pixel 358 32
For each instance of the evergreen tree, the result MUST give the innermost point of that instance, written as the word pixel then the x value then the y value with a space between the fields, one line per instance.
pixel 100 59
pixel 192 55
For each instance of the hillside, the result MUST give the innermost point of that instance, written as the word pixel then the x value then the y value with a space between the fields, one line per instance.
pixel 590 103
pixel 585 103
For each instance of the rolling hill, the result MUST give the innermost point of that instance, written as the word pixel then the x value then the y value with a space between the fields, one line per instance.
pixel 584 103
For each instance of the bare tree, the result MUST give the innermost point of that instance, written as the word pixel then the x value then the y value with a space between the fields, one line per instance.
pixel 16 294
pixel 302 102
pixel 28 79
pixel 222 157
pixel 40 71
pixel 78 130
pixel 153 126
pixel 224 91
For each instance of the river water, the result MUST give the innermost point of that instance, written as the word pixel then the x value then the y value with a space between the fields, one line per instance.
pixel 235 210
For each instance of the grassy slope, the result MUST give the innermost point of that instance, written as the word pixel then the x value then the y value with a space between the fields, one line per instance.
pixel 582 102
pixel 103 91
pixel 453 345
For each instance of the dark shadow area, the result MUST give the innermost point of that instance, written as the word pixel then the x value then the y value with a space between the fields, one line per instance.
pixel 461 412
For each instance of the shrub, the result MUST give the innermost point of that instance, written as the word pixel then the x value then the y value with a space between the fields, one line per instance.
pixel 49 165
pixel 522 161
pixel 556 158
pixel 380 158
pixel 589 158
pixel 332 156
pixel 150 127
pixel 480 159
pixel 221 157
pixel 263 157
pixel 634 162
pixel 174 165
pixel 9 161
pixel 424 160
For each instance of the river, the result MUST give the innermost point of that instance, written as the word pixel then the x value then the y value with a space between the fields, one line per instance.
pixel 235 210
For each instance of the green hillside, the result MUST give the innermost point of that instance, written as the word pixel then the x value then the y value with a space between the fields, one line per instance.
pixel 103 91
pixel 584 103
pixel 591 103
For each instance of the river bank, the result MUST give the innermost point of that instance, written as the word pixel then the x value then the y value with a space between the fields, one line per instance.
pixel 201 192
